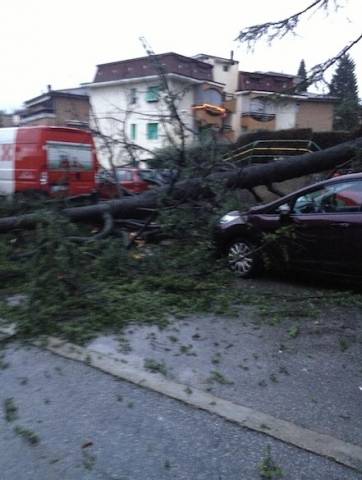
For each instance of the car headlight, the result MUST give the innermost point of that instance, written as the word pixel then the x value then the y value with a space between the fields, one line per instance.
pixel 229 217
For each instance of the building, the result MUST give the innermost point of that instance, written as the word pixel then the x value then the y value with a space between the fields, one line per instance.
pixel 69 107
pixel 269 101
pixel 8 120
pixel 129 102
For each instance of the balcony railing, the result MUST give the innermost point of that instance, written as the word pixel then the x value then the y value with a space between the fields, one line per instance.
pixel 259 116
pixel 36 111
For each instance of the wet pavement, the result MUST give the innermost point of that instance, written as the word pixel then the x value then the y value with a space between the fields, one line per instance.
pixel 304 368
pixel 71 422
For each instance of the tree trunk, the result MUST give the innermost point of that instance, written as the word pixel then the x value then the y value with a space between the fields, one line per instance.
pixel 248 177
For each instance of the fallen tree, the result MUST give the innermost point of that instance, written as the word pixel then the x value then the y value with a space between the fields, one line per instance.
pixel 198 188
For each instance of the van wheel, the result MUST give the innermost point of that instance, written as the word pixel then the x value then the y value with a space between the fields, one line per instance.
pixel 243 259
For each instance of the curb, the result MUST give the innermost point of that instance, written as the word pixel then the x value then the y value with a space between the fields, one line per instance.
pixel 342 452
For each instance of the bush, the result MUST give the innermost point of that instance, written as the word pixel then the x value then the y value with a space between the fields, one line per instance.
pixel 330 139
pixel 195 154
pixel 322 139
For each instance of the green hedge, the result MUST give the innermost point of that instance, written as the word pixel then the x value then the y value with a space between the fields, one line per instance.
pixel 322 139
pixel 204 154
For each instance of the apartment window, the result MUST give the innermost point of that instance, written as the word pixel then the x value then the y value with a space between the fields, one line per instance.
pixel 153 94
pixel 152 131
pixel 133 131
pixel 133 95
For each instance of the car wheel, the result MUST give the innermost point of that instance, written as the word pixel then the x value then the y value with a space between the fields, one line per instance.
pixel 243 259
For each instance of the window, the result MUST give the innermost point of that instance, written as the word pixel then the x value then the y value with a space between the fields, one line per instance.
pixel 225 68
pixel 262 105
pixel 133 96
pixel 152 131
pixel 257 105
pixel 153 94
pixel 334 198
pixel 124 175
pixel 133 131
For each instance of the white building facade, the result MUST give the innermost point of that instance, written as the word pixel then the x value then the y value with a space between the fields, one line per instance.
pixel 129 103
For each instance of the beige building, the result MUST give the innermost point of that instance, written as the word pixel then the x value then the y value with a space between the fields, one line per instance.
pixel 8 120
pixel 269 101
pixel 315 113
pixel 69 108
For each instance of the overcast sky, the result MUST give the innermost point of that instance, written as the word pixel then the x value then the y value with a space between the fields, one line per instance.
pixel 60 43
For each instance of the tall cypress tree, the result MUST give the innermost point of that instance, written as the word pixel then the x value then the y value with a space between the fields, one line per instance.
pixel 302 74
pixel 344 87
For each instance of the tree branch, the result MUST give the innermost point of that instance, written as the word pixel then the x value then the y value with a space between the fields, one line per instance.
pixel 278 29
pixel 316 73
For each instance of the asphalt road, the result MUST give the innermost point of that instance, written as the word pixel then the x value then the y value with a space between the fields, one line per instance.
pixel 297 362
pixel 91 426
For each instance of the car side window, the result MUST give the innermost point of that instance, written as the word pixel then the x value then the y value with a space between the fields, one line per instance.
pixel 334 198
pixel 124 175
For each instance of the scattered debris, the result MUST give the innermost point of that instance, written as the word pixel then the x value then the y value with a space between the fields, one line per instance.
pixel 28 435
pixel 10 409
pixel 268 469
pixel 155 367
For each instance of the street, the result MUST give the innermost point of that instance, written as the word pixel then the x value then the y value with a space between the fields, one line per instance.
pixel 89 425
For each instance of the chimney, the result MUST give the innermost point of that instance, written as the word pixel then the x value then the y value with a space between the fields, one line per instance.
pixel 49 87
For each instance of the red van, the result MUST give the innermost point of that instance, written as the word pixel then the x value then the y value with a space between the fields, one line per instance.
pixel 54 160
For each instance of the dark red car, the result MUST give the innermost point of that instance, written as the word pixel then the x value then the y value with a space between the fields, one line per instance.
pixel 318 228
pixel 131 181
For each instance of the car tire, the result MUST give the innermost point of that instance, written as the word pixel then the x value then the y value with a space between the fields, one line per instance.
pixel 243 259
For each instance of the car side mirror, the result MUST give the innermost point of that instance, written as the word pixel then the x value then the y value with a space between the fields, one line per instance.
pixel 284 210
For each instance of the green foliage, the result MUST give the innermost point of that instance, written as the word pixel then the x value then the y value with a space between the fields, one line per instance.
pixel 10 410
pixel 198 154
pixel 28 435
pixel 75 290
pixel 344 87
pixel 343 344
pixel 293 331
pixel 289 134
pixel 58 285
pixel 322 139
pixel 155 367
pixel 330 139
pixel 3 364
pixel 302 74
pixel 217 377
pixel 268 469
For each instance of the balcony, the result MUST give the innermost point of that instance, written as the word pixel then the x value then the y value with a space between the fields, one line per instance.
pixel 36 111
pixel 207 114
pixel 258 121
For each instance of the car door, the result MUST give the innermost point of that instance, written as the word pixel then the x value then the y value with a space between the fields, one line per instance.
pixel 125 178
pixel 328 227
